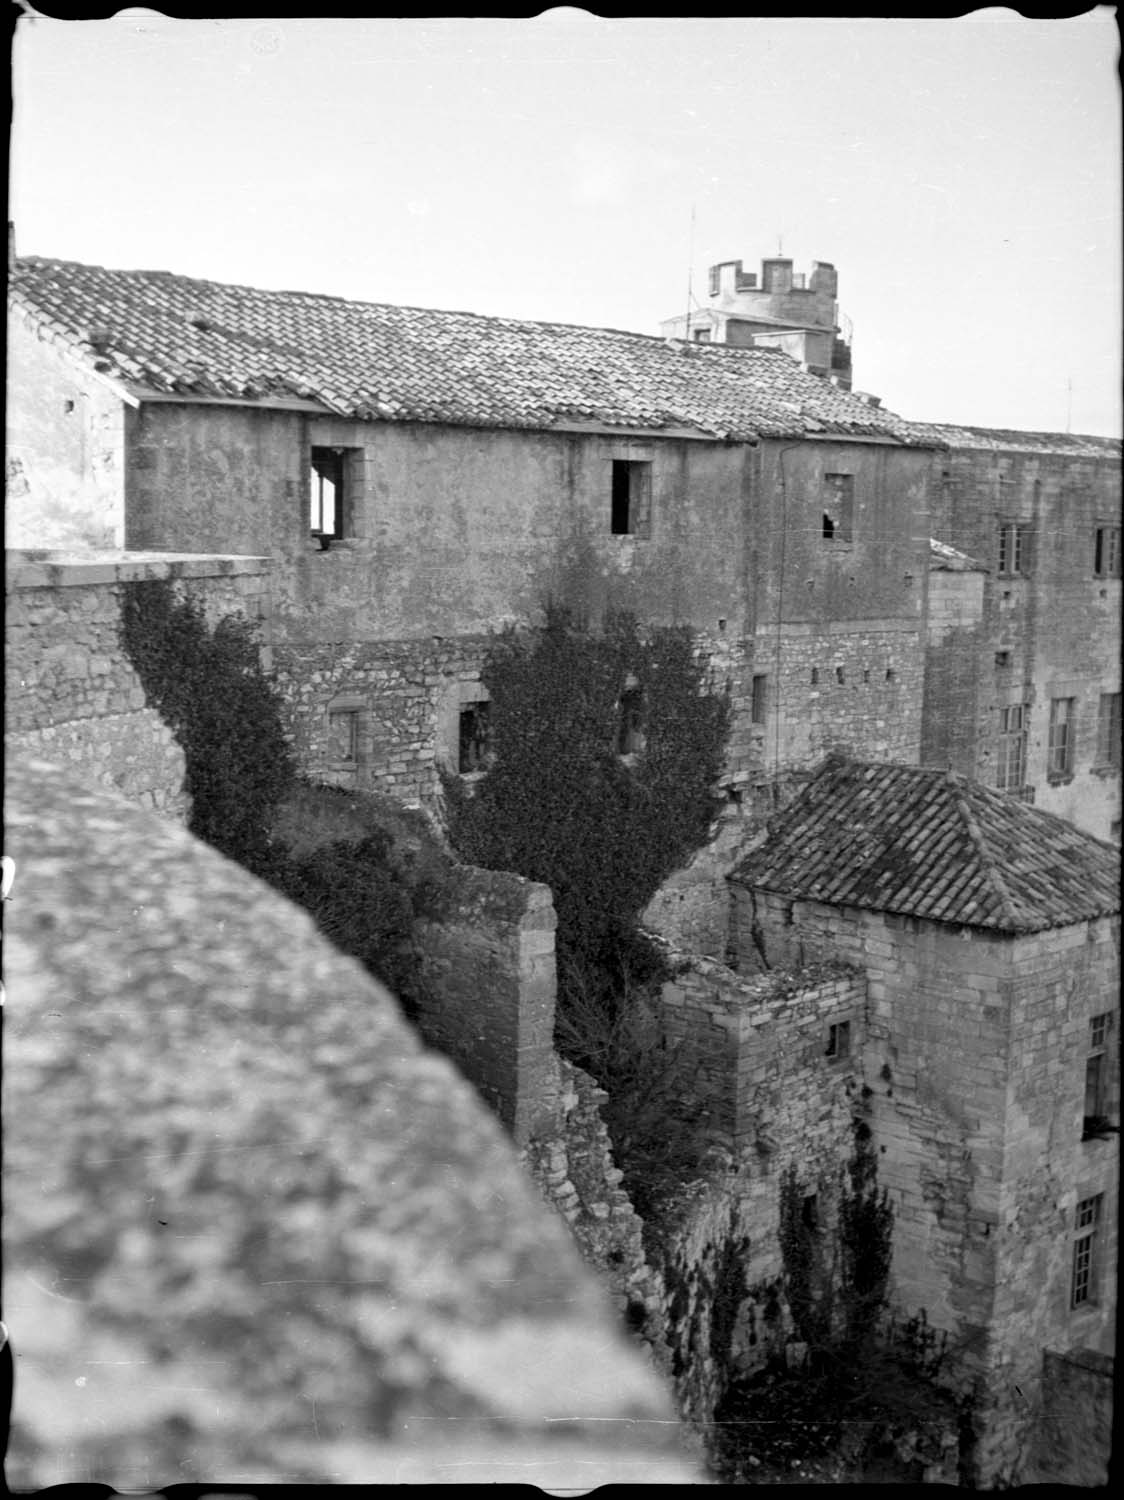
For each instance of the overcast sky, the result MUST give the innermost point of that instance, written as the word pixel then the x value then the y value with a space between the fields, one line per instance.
pixel 964 176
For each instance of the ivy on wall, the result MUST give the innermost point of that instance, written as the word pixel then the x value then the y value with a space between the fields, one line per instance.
pixel 560 803
pixel 210 689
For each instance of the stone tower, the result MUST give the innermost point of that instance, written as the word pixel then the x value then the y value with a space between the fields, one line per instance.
pixel 777 310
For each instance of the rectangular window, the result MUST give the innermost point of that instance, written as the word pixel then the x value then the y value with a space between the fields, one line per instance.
pixel 759 700
pixel 1014 549
pixel 1085 1225
pixel 839 1041
pixel 326 497
pixel 1011 748
pixel 1096 1075
pixel 474 737
pixel 1108 731
pixel 702 335
pixel 630 728
pixel 1059 755
pixel 838 507
pixel 1106 552
pixel 631 513
pixel 343 736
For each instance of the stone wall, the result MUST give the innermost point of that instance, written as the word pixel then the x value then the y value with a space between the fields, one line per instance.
pixel 70 691
pixel 1052 630
pixel 487 981
pixel 975 1061
pixel 956 651
pixel 254 1231
pixel 846 685
pixel 1072 1442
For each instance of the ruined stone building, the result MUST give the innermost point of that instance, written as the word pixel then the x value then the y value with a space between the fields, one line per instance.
pixel 919 628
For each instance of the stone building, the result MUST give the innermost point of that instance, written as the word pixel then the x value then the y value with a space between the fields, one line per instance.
pixel 795 312
pixel 988 932
pixel 419 480
pixel 1022 682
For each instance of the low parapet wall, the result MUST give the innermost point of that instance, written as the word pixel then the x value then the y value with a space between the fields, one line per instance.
pixel 73 696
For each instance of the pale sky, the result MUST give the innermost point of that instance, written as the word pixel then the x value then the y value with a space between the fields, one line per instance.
pixel 964 176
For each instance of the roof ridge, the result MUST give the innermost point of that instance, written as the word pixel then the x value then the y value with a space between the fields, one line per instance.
pixel 961 794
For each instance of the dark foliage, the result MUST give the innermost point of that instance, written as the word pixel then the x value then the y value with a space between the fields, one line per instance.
pixel 209 688
pixel 560 805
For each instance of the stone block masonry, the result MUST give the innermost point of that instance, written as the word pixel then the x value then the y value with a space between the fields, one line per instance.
pixel 71 693
pixel 488 993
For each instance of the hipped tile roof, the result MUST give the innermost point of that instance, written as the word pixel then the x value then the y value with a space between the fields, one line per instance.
pixel 924 842
pixel 161 334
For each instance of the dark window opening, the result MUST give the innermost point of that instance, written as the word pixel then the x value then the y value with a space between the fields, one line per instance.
pixel 474 737
pixel 1096 1111
pixel 702 335
pixel 630 728
pixel 840 675
pixel 326 515
pixel 343 736
pixel 889 674
pixel 839 1040
pixel 631 498
pixel 759 699
pixel 866 674
pixel 1108 731
pixel 810 1211
pixel 815 675
pixel 1106 552
pixel 1002 658
pixel 839 507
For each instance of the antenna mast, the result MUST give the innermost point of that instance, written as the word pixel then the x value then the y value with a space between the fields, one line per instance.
pixel 690 275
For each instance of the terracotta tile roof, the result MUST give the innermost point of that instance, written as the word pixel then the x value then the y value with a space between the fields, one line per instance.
pixel 1002 439
pixel 928 843
pixel 158 333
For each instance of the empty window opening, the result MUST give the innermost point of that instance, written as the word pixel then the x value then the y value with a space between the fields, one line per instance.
pixel 474 737
pixel 1059 755
pixel 1108 731
pixel 759 699
pixel 631 498
pixel 839 1041
pixel 866 674
pixel 889 674
pixel 1002 658
pixel 810 1211
pixel 1011 748
pixel 815 675
pixel 839 506
pixel 702 335
pixel 326 516
pixel 840 675
pixel 1014 549
pixel 343 736
pixel 630 725
pixel 1106 552
pixel 1086 1223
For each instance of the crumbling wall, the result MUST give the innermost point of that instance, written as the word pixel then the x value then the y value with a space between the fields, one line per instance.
pixel 71 692
pixel 487 992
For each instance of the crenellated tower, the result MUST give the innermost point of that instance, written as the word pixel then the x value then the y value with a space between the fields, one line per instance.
pixel 778 309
